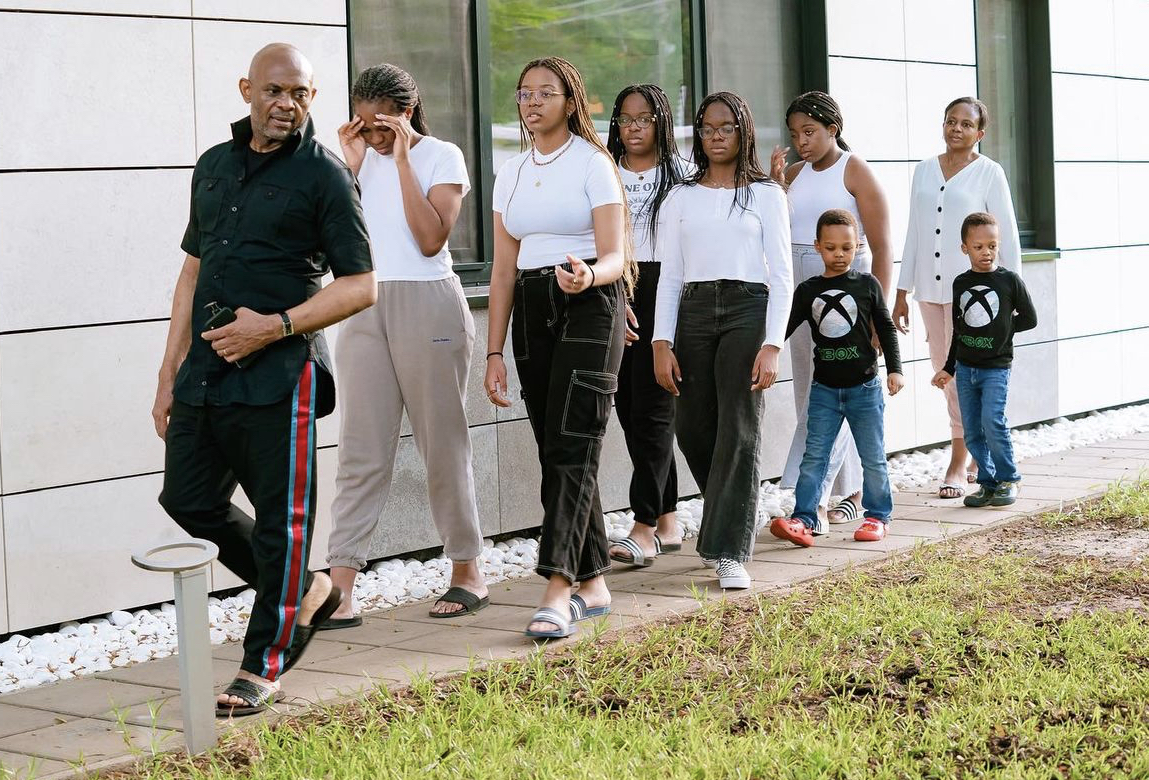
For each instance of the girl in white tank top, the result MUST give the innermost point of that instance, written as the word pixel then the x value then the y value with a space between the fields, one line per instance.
pixel 829 176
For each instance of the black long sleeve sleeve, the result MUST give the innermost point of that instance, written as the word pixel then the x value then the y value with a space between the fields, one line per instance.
pixel 988 308
pixel 884 325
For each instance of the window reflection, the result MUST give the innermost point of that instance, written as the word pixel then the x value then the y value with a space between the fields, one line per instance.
pixel 613 43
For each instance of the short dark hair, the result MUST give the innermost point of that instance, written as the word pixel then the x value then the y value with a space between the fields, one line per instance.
pixel 974 220
pixel 835 217
pixel 982 110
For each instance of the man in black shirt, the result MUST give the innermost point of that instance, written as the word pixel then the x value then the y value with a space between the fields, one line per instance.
pixel 990 305
pixel 843 308
pixel 271 212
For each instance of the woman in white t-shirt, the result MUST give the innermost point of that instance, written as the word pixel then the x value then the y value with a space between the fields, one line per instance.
pixel 945 190
pixel 641 141
pixel 562 260
pixel 723 302
pixel 829 176
pixel 412 350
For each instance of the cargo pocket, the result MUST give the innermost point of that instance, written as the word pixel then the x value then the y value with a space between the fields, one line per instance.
pixel 587 408
pixel 590 316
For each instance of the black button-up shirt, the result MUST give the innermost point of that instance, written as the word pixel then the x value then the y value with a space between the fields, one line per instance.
pixel 265 235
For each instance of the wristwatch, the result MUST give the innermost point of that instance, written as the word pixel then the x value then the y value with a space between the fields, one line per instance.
pixel 288 328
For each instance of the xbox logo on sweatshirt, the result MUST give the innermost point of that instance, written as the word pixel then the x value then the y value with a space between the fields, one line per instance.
pixel 979 306
pixel 835 312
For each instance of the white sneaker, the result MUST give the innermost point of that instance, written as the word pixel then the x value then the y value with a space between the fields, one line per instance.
pixel 709 563
pixel 821 527
pixel 732 575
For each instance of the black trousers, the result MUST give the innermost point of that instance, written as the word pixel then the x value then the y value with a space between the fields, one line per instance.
pixel 721 326
pixel 270 452
pixel 646 412
pixel 567 351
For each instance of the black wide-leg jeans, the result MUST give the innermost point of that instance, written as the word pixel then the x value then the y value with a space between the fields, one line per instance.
pixel 721 326
pixel 646 412
pixel 567 352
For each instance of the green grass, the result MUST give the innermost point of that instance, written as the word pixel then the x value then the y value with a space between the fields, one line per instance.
pixel 1125 504
pixel 938 665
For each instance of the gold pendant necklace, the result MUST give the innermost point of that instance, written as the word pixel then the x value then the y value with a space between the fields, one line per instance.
pixel 567 145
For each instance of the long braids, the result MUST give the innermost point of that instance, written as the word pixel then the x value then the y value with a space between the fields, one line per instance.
pixel 390 82
pixel 579 123
pixel 747 167
pixel 823 109
pixel 670 163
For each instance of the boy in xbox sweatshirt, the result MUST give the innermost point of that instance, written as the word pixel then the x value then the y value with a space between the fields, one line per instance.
pixel 844 308
pixel 990 305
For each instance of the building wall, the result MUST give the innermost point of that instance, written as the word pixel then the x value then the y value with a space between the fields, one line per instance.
pixel 96 153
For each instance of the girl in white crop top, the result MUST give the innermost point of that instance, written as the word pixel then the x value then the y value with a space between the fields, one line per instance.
pixel 829 176
pixel 562 260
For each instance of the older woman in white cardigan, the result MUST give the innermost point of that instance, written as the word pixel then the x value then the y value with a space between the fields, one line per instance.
pixel 945 190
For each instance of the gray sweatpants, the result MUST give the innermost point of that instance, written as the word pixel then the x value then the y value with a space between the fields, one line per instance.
pixel 411 350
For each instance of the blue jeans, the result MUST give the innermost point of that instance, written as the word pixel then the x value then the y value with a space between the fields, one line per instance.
pixel 863 407
pixel 981 396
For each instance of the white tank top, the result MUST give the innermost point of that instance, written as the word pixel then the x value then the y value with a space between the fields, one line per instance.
pixel 814 192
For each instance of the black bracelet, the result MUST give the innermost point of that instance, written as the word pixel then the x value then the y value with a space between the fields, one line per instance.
pixel 591 268
pixel 492 354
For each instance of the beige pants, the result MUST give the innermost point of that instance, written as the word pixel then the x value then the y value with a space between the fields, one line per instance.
pixel 938 321
pixel 411 350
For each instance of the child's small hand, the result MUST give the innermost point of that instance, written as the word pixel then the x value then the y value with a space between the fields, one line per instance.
pixel 940 380
pixel 894 383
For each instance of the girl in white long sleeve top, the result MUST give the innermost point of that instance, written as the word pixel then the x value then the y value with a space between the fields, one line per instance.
pixel 720 320
pixel 946 189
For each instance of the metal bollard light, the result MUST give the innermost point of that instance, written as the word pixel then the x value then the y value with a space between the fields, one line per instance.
pixel 188 562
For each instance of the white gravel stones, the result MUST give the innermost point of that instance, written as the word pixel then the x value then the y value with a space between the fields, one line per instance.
pixel 124 638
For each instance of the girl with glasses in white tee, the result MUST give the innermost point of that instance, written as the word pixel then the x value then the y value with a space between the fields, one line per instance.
pixel 562 261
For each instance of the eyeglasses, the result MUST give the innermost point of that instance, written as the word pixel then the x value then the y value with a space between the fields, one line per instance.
pixel 523 96
pixel 707 132
pixel 642 120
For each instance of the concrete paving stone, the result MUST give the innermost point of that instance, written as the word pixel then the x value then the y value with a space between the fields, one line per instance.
pixel 1079 458
pixel 1051 493
pixel 306 685
pixel 19 766
pixel 165 673
pixel 926 529
pixel 417 613
pixel 86 696
pixel 827 557
pixel 90 740
pixel 772 573
pixel 1099 474
pixel 919 498
pixel 15 720
pixel 1091 485
pixel 1140 446
pixel 699 587
pixel 522 593
pixel 324 645
pixel 962 515
pixel 1024 505
pixel 471 641
pixel 652 605
pixel 390 664
pixel 845 541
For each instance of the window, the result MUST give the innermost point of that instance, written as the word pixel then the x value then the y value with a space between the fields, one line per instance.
pixel 753 47
pixel 613 43
pixel 433 40
pixel 1003 85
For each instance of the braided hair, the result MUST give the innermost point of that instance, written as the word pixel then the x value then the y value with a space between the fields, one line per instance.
pixel 823 109
pixel 670 163
pixel 390 82
pixel 579 123
pixel 747 168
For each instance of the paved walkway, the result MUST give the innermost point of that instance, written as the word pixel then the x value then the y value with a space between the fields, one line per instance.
pixel 113 717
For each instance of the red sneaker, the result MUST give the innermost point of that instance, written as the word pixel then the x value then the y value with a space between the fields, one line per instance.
pixel 792 530
pixel 870 530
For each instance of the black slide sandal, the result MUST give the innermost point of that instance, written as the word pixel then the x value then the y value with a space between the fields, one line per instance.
pixel 470 602
pixel 255 697
pixel 304 634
